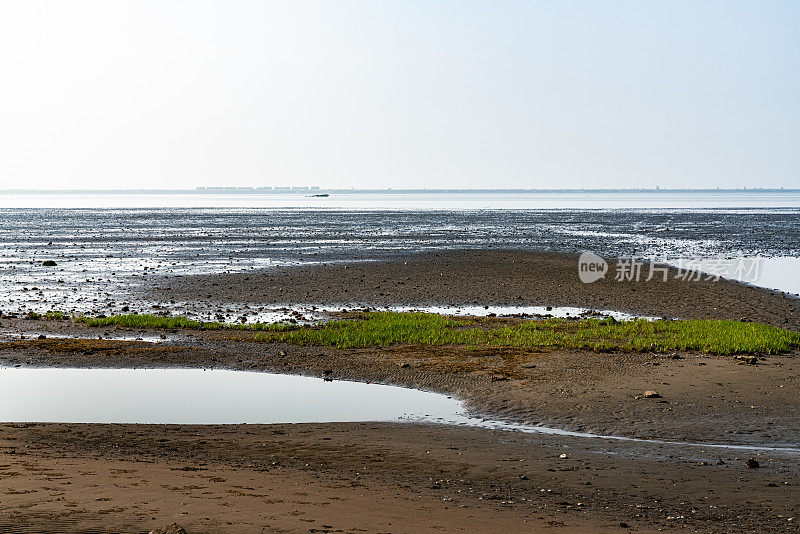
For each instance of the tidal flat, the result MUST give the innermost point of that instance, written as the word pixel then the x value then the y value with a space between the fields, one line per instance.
pixel 684 401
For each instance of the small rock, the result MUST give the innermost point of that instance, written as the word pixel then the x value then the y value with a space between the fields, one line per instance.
pixel 405 365
pixel 650 394
pixel 720 462
pixel 746 360
pixel 42 336
pixel 173 528
pixel 49 263
pixel 563 456
pixel 327 372
pixel 752 463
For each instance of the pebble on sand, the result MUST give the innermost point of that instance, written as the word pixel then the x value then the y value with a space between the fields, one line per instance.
pixel 752 463
pixel 173 528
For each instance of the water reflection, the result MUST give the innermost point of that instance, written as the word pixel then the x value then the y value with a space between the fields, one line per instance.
pixel 197 396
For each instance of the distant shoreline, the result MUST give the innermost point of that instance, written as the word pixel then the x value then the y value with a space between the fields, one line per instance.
pixel 317 190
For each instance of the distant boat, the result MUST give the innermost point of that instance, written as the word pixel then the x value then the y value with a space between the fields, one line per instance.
pixel 319 195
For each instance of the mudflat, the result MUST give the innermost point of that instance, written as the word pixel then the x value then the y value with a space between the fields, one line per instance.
pixel 393 477
pixel 702 397
pixel 485 277
pixel 376 477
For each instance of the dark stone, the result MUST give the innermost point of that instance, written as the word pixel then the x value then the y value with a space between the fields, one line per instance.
pixel 752 463
pixel 173 528
pixel 49 263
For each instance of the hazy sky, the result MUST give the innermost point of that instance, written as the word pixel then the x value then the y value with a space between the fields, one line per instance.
pixel 403 93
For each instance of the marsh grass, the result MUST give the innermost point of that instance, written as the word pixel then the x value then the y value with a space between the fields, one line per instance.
pixel 381 329
pixel 169 323
pixel 378 329
pixel 50 316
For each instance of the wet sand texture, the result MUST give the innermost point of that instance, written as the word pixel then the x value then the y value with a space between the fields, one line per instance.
pixel 483 278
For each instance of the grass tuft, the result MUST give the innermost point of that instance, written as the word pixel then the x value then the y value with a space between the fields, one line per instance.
pixel 50 316
pixel 168 323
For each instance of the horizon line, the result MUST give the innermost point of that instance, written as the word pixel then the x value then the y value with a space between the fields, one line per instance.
pixel 320 190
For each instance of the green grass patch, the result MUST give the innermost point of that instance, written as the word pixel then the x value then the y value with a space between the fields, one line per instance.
pixel 378 329
pixel 168 323
pixel 382 329
pixel 50 316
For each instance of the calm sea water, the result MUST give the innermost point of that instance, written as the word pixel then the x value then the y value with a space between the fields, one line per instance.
pixel 416 201
pixel 105 245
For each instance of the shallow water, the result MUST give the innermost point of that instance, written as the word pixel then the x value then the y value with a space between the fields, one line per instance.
pixel 510 311
pixel 104 255
pixel 403 200
pixel 12 334
pixel 200 396
pixel 309 314
pixel 779 273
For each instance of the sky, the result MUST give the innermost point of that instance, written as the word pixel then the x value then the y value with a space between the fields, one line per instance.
pixel 401 94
